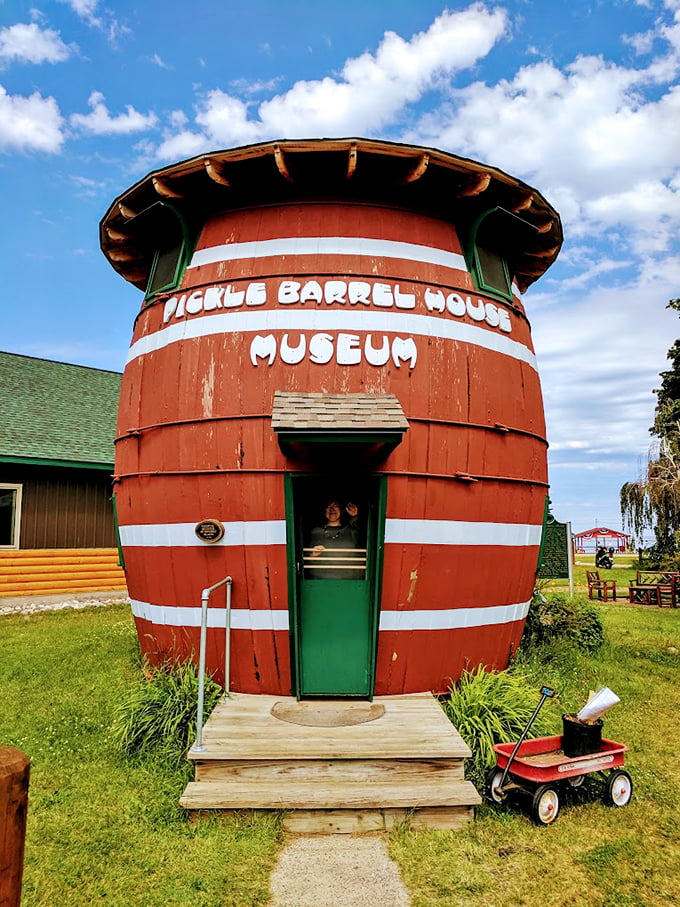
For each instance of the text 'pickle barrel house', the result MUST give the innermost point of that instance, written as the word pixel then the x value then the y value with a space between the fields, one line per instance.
pixel 332 323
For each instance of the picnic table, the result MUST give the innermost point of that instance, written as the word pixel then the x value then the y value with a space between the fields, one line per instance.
pixel 654 587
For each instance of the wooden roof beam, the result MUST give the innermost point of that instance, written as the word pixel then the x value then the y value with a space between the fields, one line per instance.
pixel 115 235
pixel 351 161
pixel 126 212
pixel 545 226
pixel 418 169
pixel 524 203
pixel 280 161
pixel 475 185
pixel 124 255
pixel 543 253
pixel 215 173
pixel 163 189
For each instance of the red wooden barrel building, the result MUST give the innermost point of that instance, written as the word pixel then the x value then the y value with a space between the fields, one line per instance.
pixel 332 320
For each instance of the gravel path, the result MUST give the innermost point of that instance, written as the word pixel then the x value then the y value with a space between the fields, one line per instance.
pixel 34 603
pixel 337 871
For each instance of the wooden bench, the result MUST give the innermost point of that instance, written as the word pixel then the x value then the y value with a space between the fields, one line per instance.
pixel 654 587
pixel 603 587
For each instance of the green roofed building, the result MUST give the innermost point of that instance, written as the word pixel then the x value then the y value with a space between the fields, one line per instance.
pixel 57 431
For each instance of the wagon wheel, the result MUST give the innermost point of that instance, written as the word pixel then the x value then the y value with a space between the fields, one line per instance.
pixel 576 780
pixel 619 789
pixel 545 805
pixel 493 780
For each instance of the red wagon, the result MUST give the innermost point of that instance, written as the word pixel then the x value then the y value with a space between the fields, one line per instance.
pixel 539 769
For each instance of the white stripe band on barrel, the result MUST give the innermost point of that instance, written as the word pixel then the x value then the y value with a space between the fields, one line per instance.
pixel 263 321
pixel 327 245
pixel 397 532
pixel 457 532
pixel 254 533
pixel 246 619
pixel 453 619
pixel 241 618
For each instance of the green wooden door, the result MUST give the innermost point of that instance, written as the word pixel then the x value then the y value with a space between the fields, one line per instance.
pixel 336 596
pixel 335 638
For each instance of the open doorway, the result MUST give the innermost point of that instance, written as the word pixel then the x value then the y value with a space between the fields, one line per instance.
pixel 335 539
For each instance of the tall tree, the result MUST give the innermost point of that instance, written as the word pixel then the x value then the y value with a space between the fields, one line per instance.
pixel 653 502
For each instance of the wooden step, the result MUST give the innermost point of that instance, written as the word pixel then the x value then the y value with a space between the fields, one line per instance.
pixel 366 794
pixel 404 763
pixel 413 727
pixel 319 771
pixel 361 821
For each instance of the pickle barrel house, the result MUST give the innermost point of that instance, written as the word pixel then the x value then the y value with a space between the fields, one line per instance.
pixel 332 322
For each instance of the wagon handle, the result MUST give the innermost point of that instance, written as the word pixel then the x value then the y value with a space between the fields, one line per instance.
pixel 546 693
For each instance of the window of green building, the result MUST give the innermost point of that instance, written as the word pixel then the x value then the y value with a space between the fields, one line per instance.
pixel 10 515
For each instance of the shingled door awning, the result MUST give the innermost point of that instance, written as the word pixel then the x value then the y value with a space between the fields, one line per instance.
pixel 368 418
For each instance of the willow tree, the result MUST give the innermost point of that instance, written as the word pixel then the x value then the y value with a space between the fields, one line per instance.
pixel 653 502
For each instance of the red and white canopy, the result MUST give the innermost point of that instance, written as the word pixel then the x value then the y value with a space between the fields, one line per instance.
pixel 609 538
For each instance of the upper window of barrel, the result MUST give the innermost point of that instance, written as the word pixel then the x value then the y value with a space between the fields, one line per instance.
pixel 172 248
pixel 494 240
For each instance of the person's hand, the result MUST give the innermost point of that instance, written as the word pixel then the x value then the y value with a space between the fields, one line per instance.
pixel 352 509
pixel 317 549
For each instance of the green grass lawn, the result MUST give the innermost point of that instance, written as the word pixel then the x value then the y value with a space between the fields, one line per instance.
pixel 103 829
pixel 623 572
pixel 593 855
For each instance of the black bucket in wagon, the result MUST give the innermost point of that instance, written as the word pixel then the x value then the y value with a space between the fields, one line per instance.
pixel 580 738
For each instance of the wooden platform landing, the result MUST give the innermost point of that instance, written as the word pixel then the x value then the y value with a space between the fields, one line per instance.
pixel 406 764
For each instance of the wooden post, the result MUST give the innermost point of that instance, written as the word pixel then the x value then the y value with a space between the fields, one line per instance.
pixel 14 772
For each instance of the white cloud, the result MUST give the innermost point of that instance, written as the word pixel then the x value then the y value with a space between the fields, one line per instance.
pixel 585 126
pixel 86 9
pixel 100 121
pixel 368 94
pixel 31 123
pixel 600 140
pixel 157 61
pixel 28 43
pixel 375 88
pixel 589 270
pixel 243 86
pixel 600 353
pixel 96 17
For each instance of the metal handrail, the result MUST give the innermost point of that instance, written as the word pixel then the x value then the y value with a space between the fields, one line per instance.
pixel 205 596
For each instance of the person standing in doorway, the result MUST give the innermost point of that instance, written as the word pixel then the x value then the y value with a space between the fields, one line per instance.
pixel 334 545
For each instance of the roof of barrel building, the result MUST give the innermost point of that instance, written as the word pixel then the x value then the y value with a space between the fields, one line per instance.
pixel 54 412
pixel 454 188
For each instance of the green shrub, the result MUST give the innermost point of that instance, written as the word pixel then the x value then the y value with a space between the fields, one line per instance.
pixel 160 712
pixel 488 708
pixel 558 617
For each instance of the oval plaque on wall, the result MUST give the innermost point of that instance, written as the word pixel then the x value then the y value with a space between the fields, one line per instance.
pixel 209 531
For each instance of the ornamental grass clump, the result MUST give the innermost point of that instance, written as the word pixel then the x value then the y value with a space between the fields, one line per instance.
pixel 488 708
pixel 159 714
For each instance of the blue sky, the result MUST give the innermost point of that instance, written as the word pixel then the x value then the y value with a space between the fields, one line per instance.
pixel 579 99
